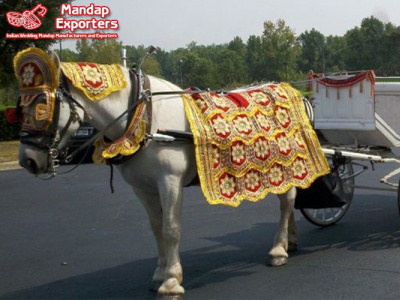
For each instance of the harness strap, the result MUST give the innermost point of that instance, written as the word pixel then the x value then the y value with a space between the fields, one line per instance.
pixel 134 97
pixel 111 178
pixel 98 134
pixel 149 105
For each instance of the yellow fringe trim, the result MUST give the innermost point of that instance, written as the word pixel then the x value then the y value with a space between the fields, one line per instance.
pixel 128 144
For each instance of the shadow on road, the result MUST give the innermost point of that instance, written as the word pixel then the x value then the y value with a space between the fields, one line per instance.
pixel 366 228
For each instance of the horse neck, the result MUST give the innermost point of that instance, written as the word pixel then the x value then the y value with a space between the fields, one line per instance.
pixel 103 112
pixel 168 111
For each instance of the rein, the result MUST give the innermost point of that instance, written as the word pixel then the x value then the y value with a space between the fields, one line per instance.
pixel 144 97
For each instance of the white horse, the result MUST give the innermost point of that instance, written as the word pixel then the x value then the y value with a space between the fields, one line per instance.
pixel 157 173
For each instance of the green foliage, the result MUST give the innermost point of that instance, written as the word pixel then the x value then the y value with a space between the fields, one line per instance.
pixel 280 49
pixel 9 94
pixel 275 55
pixel 102 51
pixel 313 51
pixel 8 131
pixel 10 47
pixel 68 55
pixel 373 45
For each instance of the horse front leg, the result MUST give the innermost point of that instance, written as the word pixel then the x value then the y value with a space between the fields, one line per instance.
pixel 286 236
pixel 171 194
pixel 152 203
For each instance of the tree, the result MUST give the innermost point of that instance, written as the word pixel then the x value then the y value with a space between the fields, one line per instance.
pixel 312 56
pixel 281 50
pixel 364 45
pixel 198 71
pixel 237 45
pixel 102 51
pixel 230 68
pixel 335 46
pixel 134 56
pixel 255 58
pixel 10 47
pixel 68 55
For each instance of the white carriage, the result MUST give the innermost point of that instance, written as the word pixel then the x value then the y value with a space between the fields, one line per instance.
pixel 357 117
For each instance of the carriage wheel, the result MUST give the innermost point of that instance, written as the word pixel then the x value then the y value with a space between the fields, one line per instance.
pixel 328 216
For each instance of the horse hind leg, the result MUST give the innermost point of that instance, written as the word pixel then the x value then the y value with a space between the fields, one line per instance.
pixel 278 254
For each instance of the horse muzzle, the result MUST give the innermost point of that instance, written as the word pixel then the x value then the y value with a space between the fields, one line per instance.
pixel 35 160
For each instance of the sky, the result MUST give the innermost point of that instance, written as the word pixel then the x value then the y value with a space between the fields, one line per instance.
pixel 171 24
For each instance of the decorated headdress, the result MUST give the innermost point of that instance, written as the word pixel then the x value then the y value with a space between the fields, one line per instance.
pixel 37 75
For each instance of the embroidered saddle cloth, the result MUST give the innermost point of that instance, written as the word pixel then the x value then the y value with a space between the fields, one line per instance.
pixel 96 81
pixel 253 142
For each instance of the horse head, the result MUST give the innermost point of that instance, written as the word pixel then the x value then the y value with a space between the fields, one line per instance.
pixel 49 116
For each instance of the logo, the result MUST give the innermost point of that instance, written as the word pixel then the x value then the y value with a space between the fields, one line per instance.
pixel 69 27
pixel 27 19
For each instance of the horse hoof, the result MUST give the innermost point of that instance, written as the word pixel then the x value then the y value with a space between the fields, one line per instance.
pixel 171 287
pixel 278 261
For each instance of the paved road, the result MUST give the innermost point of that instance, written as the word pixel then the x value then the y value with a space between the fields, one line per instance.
pixel 70 238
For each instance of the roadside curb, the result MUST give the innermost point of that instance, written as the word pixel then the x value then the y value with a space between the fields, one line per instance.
pixel 10 165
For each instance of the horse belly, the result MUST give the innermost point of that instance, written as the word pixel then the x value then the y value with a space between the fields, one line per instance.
pixel 157 161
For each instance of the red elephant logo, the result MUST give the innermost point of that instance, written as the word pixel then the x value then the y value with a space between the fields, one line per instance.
pixel 27 19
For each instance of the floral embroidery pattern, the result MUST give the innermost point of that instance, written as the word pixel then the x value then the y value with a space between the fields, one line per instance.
pixel 282 116
pixel 227 185
pixel 252 180
pixel 28 74
pixel 216 156
pixel 253 142
pixel 263 121
pixel 91 74
pixel 283 144
pixel 201 104
pixel 275 175
pixel 299 169
pixel 261 149
pixel 221 126
pixel 96 81
pixel 238 153
pixel 242 124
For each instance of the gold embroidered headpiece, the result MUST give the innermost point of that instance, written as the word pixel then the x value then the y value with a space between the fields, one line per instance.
pixel 37 74
pixel 96 81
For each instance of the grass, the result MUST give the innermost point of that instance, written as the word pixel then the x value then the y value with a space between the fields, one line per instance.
pixel 383 79
pixel 9 151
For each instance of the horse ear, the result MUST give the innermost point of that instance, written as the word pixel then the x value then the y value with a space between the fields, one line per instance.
pixel 55 58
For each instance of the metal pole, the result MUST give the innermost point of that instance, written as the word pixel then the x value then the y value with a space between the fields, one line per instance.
pixel 323 56
pixel 61 58
pixel 180 70
pixel 123 52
